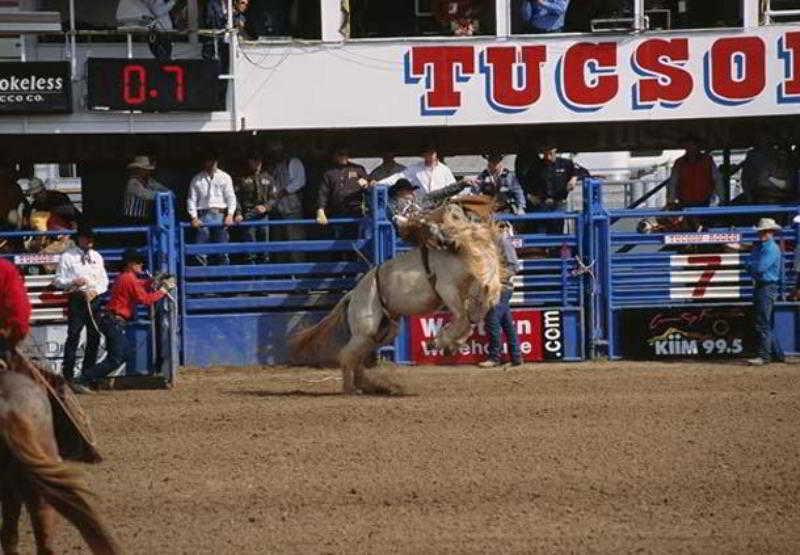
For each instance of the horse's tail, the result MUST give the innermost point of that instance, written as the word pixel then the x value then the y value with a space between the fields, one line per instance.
pixel 60 485
pixel 301 342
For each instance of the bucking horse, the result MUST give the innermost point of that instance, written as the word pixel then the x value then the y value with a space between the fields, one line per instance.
pixel 464 276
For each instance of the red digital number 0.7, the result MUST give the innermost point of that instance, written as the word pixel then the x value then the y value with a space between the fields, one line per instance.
pixel 134 84
pixel 180 87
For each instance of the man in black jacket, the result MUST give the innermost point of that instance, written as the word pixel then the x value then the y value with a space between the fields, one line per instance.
pixel 547 185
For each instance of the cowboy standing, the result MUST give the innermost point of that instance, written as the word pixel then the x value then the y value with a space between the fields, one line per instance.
pixel 140 191
pixel 127 292
pixel 765 268
pixel 427 176
pixel 499 316
pixel 82 274
pixel 211 202
pixel 255 196
pixel 501 184
pixel 290 179
pixel 548 183
pixel 15 309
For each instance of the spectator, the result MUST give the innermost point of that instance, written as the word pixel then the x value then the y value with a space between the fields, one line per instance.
pixel 459 17
pixel 547 184
pixel 402 198
pixel 269 18
pixel 255 196
pixel 82 274
pixel 15 309
pixel 769 174
pixel 543 16
pixel 389 166
pixel 341 194
pixel 427 176
pixel 50 210
pixel 211 202
pixel 499 317
pixel 764 266
pixel 501 184
pixel 216 17
pixel 127 292
pixel 695 178
pixel 154 15
pixel 290 179
pixel 140 191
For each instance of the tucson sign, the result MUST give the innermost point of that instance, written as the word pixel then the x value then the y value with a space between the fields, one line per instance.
pixel 587 76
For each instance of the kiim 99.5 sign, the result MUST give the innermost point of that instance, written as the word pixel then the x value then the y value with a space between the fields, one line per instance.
pixel 687 333
pixel 35 87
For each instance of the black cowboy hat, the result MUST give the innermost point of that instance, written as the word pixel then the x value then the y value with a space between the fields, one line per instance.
pixel 402 184
pixel 132 256
pixel 494 156
pixel 85 230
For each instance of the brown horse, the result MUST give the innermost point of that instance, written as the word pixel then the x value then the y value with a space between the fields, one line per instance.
pixel 32 472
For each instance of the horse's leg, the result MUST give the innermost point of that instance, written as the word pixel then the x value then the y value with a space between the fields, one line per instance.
pixel 451 336
pixel 352 360
pixel 12 507
pixel 43 520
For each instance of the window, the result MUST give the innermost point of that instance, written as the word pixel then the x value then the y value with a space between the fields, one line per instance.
pixel 407 18
pixel 693 14
pixel 571 16
pixel 781 10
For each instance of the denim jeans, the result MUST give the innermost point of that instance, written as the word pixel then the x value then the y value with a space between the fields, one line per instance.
pixel 207 234
pixel 764 297
pixel 78 317
pixel 551 227
pixel 499 317
pixel 116 349
pixel 256 234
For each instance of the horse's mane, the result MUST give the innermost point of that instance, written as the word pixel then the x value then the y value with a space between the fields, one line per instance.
pixel 476 244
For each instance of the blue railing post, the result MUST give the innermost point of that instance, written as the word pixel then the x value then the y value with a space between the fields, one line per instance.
pixel 166 250
pixel 594 221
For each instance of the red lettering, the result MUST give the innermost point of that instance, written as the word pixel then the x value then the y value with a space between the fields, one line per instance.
pixel 442 66
pixel 663 81
pixel 737 71
pixel 789 51
pixel 504 92
pixel 582 92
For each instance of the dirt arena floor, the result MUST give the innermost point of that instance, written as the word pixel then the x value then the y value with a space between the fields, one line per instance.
pixel 607 458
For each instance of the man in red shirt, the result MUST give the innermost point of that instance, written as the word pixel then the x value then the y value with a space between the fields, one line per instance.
pixel 128 291
pixel 15 309
pixel 695 178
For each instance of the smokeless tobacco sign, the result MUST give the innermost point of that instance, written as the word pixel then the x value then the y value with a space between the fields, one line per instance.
pixel 35 88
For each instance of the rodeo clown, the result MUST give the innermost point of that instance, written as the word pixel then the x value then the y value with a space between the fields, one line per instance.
pixel 499 316
pixel 15 310
pixel 128 291
pixel 764 266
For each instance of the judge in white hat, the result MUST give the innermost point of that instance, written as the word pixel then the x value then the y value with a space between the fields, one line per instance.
pixel 140 191
pixel 764 266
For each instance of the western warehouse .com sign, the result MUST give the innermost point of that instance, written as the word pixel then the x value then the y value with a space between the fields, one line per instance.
pixel 35 88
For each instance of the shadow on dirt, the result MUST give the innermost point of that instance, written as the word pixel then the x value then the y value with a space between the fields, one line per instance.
pixel 300 393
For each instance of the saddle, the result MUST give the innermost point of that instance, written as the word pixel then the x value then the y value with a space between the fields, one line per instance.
pixel 71 425
pixel 429 228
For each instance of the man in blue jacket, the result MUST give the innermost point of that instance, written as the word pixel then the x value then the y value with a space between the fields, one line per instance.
pixel 543 16
pixel 765 268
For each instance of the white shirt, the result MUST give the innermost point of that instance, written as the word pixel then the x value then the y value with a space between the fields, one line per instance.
pixel 427 178
pixel 135 13
pixel 75 263
pixel 207 192
pixel 289 175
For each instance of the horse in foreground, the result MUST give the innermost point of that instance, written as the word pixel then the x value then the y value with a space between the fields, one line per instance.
pixel 465 278
pixel 32 472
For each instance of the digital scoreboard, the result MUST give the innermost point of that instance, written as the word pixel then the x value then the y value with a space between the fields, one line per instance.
pixel 149 85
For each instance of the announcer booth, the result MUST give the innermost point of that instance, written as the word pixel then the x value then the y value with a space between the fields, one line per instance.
pixel 153 331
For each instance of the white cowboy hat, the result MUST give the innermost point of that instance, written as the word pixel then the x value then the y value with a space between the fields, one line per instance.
pixel 32 185
pixel 767 224
pixel 141 163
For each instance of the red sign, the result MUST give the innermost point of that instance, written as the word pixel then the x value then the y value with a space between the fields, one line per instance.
pixel 540 335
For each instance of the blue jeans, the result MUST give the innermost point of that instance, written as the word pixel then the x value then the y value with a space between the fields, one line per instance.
pixel 764 297
pixel 207 234
pixel 499 317
pixel 78 317
pixel 116 349
pixel 256 234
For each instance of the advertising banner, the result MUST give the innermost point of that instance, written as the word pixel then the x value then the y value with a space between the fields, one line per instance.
pixel 35 87
pixel 687 333
pixel 540 334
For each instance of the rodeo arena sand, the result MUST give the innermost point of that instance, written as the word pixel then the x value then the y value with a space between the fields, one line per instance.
pixel 593 457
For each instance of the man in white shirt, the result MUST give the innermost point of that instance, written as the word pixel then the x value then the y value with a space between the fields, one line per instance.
pixel 81 272
pixel 211 202
pixel 290 180
pixel 427 176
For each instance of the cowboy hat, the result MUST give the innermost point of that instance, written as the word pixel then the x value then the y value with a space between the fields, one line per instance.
pixel 402 184
pixel 132 256
pixel 767 224
pixel 141 163
pixel 34 184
